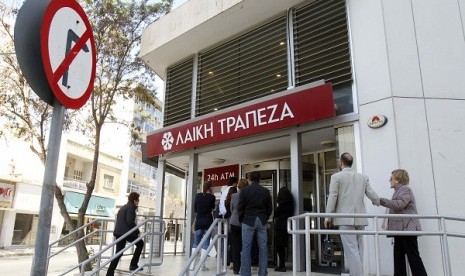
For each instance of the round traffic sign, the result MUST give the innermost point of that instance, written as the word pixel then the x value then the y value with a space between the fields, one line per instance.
pixel 68 52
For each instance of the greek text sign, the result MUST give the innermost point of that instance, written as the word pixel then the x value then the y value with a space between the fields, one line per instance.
pixel 284 110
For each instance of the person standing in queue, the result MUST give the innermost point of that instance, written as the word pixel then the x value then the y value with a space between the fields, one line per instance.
pixel 347 191
pixel 125 221
pixel 403 202
pixel 204 204
pixel 284 210
pixel 236 235
pixel 254 210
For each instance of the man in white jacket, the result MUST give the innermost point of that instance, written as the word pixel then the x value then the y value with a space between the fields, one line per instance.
pixel 347 191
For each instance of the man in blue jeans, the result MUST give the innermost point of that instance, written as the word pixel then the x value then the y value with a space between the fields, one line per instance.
pixel 254 210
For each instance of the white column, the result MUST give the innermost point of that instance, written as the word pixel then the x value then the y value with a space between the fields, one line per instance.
pixel 296 189
pixel 191 191
pixel 160 196
pixel 6 232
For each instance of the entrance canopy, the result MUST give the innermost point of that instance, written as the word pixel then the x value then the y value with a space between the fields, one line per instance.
pixel 263 116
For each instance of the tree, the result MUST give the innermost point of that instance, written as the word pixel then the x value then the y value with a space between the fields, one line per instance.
pixel 24 115
pixel 117 28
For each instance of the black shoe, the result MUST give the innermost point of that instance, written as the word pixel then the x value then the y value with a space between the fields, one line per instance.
pixel 236 272
pixel 280 269
pixel 110 272
pixel 132 268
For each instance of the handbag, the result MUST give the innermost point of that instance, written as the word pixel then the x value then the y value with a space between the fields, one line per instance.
pixel 328 249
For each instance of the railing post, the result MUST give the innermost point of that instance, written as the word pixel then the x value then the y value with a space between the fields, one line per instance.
pixel 294 246
pixel 377 255
pixel 151 236
pixel 445 247
pixel 308 250
pixel 219 251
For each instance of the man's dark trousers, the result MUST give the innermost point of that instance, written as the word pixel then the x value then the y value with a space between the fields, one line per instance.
pixel 120 246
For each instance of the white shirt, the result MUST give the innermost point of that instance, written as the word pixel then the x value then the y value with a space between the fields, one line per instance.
pixel 224 194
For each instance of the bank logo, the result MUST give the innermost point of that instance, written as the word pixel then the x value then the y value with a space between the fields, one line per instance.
pixel 167 140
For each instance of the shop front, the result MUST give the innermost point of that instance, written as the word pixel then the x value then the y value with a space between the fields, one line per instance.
pixel 292 139
pixel 99 207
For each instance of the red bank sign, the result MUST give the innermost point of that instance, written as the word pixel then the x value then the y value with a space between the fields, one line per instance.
pixel 219 176
pixel 285 110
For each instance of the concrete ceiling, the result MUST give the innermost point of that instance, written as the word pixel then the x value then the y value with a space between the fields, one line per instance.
pixel 256 151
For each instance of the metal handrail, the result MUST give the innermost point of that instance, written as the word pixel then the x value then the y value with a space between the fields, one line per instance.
pixel 74 232
pixel 141 237
pixel 293 224
pixel 221 235
pixel 98 256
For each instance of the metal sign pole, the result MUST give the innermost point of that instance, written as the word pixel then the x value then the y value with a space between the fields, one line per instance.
pixel 39 263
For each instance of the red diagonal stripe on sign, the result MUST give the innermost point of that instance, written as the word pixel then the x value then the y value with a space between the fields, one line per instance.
pixel 71 55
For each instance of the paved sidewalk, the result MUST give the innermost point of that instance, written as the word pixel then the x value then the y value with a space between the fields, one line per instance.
pixel 29 251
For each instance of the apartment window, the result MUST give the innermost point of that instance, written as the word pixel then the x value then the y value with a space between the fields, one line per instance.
pixel 77 175
pixel 178 97
pixel 321 49
pixel 250 66
pixel 108 182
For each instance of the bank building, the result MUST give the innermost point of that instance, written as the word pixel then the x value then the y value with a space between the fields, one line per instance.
pixel 285 87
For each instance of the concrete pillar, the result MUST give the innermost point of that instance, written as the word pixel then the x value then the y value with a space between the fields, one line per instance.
pixel 191 191
pixel 296 189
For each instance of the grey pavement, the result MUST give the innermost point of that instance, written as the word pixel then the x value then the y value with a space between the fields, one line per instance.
pixel 171 265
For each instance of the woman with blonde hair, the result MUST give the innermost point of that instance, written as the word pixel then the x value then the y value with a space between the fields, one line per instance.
pixel 403 202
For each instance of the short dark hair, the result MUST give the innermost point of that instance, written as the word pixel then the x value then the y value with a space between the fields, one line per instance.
pixel 232 180
pixel 133 197
pixel 284 196
pixel 206 186
pixel 254 176
pixel 347 159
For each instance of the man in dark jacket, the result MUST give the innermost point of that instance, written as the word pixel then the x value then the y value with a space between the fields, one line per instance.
pixel 125 221
pixel 254 210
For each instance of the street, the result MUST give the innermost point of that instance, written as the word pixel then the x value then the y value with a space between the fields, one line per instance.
pixel 21 265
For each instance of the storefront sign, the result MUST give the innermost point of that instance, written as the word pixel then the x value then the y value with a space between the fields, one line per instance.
pixel 7 192
pixel 219 176
pixel 284 110
pixel 75 184
pixel 98 206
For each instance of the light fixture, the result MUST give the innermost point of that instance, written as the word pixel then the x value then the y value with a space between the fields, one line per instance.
pixel 278 75
pixel 328 143
pixel 218 161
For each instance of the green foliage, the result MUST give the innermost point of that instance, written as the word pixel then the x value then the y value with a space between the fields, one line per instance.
pixel 117 27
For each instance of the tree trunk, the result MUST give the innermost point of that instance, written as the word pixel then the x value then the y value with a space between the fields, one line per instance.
pixel 82 252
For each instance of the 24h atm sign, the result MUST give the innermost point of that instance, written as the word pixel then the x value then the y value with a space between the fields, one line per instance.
pixel 283 110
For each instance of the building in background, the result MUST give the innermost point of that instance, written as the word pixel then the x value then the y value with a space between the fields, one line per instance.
pixel 141 176
pixel 242 87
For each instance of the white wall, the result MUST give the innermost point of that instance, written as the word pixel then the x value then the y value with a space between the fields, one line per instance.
pixel 409 61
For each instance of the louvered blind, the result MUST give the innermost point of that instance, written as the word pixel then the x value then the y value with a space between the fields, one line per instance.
pixel 178 93
pixel 250 66
pixel 321 43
